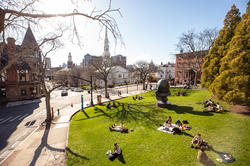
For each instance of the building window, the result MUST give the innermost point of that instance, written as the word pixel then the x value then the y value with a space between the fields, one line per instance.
pixel 22 76
pixel 23 92
pixel 119 76
pixel 32 91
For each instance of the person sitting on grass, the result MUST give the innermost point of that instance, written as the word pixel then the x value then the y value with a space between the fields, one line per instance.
pixel 108 106
pixel 178 93
pixel 140 97
pixel 168 123
pixel 219 107
pixel 114 105
pixel 198 141
pixel 117 152
pixel 184 93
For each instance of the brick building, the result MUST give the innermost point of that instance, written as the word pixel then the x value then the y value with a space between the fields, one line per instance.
pixel 88 59
pixel 22 80
pixel 119 60
pixel 186 64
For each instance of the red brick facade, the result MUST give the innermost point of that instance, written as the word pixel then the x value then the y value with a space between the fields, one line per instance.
pixel 186 64
pixel 23 79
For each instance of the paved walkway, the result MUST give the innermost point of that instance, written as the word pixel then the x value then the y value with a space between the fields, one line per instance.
pixel 47 145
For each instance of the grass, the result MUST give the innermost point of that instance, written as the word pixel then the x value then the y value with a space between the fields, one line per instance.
pixel 90 138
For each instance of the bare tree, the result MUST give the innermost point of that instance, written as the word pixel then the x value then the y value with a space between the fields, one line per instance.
pixel 49 86
pixel 14 16
pixel 143 69
pixel 193 42
pixel 102 71
pixel 15 13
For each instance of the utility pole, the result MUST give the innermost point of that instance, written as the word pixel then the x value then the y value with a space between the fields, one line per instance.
pixel 91 90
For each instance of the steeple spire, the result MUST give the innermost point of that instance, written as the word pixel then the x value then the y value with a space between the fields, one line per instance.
pixel 106 52
pixel 29 39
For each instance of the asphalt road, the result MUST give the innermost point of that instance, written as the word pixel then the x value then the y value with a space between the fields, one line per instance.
pixel 18 122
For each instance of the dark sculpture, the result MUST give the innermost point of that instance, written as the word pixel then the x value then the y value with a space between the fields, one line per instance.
pixel 162 93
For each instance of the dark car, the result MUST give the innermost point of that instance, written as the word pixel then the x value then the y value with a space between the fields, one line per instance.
pixel 64 93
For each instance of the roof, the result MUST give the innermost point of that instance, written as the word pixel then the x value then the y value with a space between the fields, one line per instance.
pixel 191 53
pixel 29 39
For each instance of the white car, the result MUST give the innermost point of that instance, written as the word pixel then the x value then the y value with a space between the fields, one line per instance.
pixel 78 90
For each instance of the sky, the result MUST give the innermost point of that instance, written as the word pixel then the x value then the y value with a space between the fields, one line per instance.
pixel 150 28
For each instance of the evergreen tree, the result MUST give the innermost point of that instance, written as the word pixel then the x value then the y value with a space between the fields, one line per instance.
pixel 211 65
pixel 232 85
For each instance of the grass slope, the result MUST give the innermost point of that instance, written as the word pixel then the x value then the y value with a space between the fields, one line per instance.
pixel 90 138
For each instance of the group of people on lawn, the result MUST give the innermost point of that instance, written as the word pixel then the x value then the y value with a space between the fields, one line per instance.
pixel 210 106
pixel 197 142
pixel 177 127
pixel 183 93
pixel 137 97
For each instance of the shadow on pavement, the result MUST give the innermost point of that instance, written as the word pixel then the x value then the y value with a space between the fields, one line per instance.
pixel 9 127
pixel 44 143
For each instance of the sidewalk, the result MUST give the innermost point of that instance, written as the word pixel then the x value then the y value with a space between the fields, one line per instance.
pixel 47 145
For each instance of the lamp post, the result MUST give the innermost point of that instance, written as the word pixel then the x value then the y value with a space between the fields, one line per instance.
pixel 91 86
pixel 126 82
pixel 137 85
pixel 91 91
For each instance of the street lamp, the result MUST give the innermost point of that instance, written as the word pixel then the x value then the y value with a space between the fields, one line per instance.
pixel 91 86
pixel 91 91
pixel 126 82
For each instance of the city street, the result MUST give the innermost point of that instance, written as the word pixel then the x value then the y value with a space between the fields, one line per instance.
pixel 18 122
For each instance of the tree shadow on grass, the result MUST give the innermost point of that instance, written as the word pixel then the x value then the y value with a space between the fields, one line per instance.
pixel 44 144
pixel 134 112
pixel 98 110
pixel 75 154
pixel 186 109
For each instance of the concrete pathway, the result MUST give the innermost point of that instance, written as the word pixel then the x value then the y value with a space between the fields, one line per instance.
pixel 47 145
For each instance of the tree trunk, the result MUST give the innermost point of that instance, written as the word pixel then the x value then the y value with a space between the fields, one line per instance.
pixel 195 78
pixel 47 99
pixel 106 88
pixel 143 84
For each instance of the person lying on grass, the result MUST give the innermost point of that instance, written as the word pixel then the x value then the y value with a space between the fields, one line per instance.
pixel 198 141
pixel 117 152
pixel 120 128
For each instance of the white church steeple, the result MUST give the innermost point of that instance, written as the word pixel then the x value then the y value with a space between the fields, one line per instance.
pixel 106 52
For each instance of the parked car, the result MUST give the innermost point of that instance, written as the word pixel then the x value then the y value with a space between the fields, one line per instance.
pixel 64 93
pixel 78 90
pixel 63 88
pixel 73 89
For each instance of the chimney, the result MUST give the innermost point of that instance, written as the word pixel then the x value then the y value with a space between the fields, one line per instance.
pixel 11 41
pixel 181 51
pixel 11 47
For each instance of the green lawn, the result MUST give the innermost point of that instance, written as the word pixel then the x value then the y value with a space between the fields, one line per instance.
pixel 90 138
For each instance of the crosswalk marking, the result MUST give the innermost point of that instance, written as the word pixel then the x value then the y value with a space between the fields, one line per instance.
pixel 15 144
pixel 15 118
pixel 5 154
pixel 6 120
pixel 23 116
